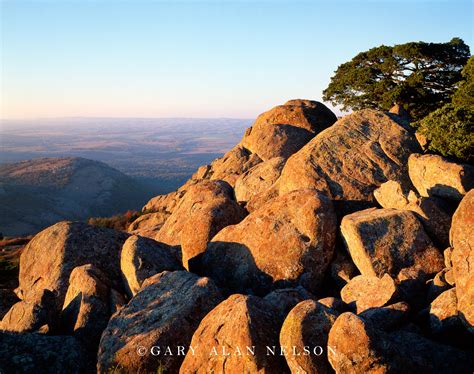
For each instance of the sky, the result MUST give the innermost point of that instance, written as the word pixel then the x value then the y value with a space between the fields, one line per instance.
pixel 192 58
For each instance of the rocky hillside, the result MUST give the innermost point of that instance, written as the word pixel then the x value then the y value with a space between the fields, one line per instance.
pixel 315 245
pixel 37 193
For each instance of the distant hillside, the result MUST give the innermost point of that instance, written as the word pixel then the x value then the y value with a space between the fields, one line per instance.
pixel 37 193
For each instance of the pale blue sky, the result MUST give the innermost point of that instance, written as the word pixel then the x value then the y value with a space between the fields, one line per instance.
pixel 196 59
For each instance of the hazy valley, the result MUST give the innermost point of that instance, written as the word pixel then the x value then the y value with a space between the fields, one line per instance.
pixel 138 159
pixel 162 152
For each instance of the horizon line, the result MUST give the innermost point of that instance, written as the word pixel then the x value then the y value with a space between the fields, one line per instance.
pixel 112 117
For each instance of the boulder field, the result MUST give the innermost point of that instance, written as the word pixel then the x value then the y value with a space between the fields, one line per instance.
pixel 315 245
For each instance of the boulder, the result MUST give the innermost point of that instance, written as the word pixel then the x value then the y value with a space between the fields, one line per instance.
pixel 32 314
pixel 48 259
pixel 429 210
pixel 207 208
pixel 307 327
pixel 287 242
pixel 262 198
pixel 357 346
pixel 390 241
pixel 462 258
pixel 444 313
pixel 141 258
pixel 284 129
pixel 165 313
pixel 258 179
pixel 87 307
pixel 433 175
pixel 349 160
pixel 389 317
pixel 367 291
pixel 42 354
pixel 233 164
pixel 283 300
pixel 147 225
pixel 234 337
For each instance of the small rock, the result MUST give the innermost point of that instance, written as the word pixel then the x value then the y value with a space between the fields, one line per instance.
pixel 433 175
pixel 30 315
pixel 141 258
pixel 364 292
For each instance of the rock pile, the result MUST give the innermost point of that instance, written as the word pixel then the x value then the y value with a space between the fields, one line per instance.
pixel 313 246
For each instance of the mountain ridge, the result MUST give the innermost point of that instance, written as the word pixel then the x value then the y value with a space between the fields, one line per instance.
pixel 39 192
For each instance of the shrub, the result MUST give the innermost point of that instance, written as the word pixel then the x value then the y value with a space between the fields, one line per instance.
pixel 117 222
pixel 450 131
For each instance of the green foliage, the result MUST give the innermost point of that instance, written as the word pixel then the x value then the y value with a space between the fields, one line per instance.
pixel 464 95
pixel 450 131
pixel 419 76
pixel 117 222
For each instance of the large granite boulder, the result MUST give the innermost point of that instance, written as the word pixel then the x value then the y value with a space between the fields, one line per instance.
pixel 357 346
pixel 142 258
pixel 148 225
pixel 207 208
pixel 258 179
pixel 305 334
pixel 349 160
pixel 390 241
pixel 87 306
pixel 165 313
pixel 284 129
pixel 49 258
pixel 429 210
pixel 35 314
pixel 462 258
pixel 233 338
pixel 233 164
pixel 433 175
pixel 367 291
pixel 287 242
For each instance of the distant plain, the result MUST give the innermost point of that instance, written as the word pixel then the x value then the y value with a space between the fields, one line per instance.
pixel 161 152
